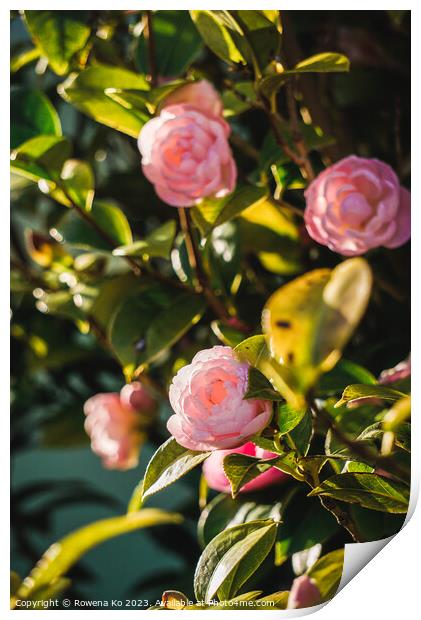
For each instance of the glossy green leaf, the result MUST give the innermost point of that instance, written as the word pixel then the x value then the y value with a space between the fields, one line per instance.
pixel 62 555
pixel 300 436
pixel 309 320
pixel 242 468
pixel 368 490
pixel 78 181
pixel 254 350
pixel 60 35
pixel 169 463
pixel 86 91
pixel 231 558
pixel 157 244
pixel 289 417
pixel 343 374
pixel 21 59
pixel 261 38
pixel 151 322
pixel 327 573
pixel 224 512
pixel 41 159
pixel 376 431
pixel 76 232
pixel 216 29
pixel 326 62
pixel 178 42
pixel 32 114
pixel 143 101
pixel 260 387
pixel 356 392
pixel 214 212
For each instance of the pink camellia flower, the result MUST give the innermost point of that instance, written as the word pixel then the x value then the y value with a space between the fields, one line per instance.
pixel 115 423
pixel 213 470
pixel 399 372
pixel 201 95
pixel 304 593
pixel 207 397
pixel 358 204
pixel 185 150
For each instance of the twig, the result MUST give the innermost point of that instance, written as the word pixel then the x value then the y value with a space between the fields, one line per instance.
pixel 297 136
pixel 196 265
pixel 149 36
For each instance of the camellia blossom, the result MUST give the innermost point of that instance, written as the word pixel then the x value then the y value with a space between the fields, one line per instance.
pixel 304 593
pixel 399 372
pixel 185 150
pixel 207 397
pixel 356 205
pixel 213 470
pixel 115 422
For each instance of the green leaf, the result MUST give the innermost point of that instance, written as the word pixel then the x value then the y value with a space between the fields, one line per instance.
pixel 216 29
pixel 376 431
pixel 76 232
pixel 60 35
pixel 260 387
pixel 157 244
pixel 224 512
pixel 78 180
pixel 326 62
pixel 41 159
pixel 177 40
pixel 62 555
pixel 261 38
pixel 300 436
pixel 344 373
pixel 254 350
pixel 86 91
pixel 143 101
pixel 327 573
pixel 356 392
pixel 368 490
pixel 169 463
pixel 289 417
pixel 234 104
pixel 309 320
pixel 32 114
pixel 214 212
pixel 146 325
pixel 231 558
pixel 21 59
pixel 242 468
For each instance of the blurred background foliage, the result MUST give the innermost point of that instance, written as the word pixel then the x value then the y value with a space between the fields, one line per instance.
pixel 58 357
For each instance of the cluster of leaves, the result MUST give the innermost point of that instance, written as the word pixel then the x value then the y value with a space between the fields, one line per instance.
pixel 104 257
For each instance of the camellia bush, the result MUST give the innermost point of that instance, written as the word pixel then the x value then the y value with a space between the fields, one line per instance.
pixel 210 228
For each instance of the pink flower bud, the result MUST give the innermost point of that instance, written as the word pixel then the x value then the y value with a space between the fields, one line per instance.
pixel 304 593
pixel 215 477
pixel 207 397
pixel 113 422
pixel 356 205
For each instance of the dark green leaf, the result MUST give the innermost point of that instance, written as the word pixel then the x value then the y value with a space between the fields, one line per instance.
pixel 59 34
pixel 231 558
pixel 213 212
pixel 242 468
pixel 356 392
pixel 76 232
pixel 157 244
pixel 31 114
pixel 260 387
pixel 368 490
pixel 226 334
pixel 300 436
pixel 344 373
pixel 169 463
pixel 177 40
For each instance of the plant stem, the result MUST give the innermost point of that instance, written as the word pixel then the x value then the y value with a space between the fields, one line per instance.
pixel 297 136
pixel 149 36
pixel 196 265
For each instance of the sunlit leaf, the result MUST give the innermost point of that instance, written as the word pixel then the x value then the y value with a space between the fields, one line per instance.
pixel 157 244
pixel 169 463
pixel 60 35
pixel 368 490
pixel 32 114
pixel 327 573
pixel 356 392
pixel 309 321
